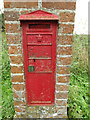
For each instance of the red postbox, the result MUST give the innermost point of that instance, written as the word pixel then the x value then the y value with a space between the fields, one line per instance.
pixel 39 30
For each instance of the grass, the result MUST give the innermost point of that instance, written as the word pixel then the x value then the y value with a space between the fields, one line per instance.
pixel 7 94
pixel 78 92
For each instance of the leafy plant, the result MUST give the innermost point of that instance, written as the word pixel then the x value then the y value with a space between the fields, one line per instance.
pixel 78 90
pixel 7 94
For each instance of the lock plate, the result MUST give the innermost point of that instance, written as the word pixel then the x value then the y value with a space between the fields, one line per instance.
pixel 31 68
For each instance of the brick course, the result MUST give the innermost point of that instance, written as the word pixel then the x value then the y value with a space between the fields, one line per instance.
pixel 66 29
pixel 18 87
pixel 62 95
pixel 65 40
pixel 19 103
pixel 61 102
pixel 59 5
pixel 20 4
pixel 63 79
pixel 62 87
pixel 64 60
pixel 11 15
pixel 64 50
pixel 16 69
pixel 63 70
pixel 17 94
pixel 67 17
pixel 17 78
pixel 12 28
pixel 13 39
pixel 16 59
pixel 15 49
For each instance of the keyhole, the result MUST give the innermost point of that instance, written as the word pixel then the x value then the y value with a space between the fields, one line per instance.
pixel 34 60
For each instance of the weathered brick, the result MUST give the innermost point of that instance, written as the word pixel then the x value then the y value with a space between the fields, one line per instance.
pixel 12 28
pixel 18 87
pixel 64 60
pixel 11 15
pixel 17 78
pixel 15 69
pixel 65 40
pixel 21 4
pixel 62 87
pixel 13 39
pixel 62 95
pixel 14 49
pixel 17 109
pixel 16 59
pixel 67 17
pixel 24 11
pixel 19 95
pixel 61 106
pixel 60 116
pixel 66 28
pixel 63 70
pixel 19 103
pixel 61 102
pixel 63 79
pixel 65 50
pixel 61 111
pixel 59 5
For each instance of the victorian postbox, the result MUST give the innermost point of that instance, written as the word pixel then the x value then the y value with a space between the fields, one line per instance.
pixel 39 31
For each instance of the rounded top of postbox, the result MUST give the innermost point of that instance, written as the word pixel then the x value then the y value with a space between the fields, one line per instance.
pixel 39 15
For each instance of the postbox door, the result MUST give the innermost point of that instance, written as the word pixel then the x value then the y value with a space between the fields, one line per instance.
pixel 39 47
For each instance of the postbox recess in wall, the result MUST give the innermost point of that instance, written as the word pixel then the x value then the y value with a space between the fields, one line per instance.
pixel 39 30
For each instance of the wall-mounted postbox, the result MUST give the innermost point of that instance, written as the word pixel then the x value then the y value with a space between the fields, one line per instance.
pixel 39 30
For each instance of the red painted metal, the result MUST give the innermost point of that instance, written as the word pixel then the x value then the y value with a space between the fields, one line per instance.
pixel 39 51
pixel 39 15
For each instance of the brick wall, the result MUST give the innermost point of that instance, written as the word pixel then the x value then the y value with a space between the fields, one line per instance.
pixel 66 13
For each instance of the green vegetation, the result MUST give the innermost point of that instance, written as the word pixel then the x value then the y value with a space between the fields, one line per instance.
pixel 7 94
pixel 78 92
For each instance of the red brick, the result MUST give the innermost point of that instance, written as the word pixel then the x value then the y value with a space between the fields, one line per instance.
pixel 65 50
pixel 14 50
pixel 65 40
pixel 63 79
pixel 19 95
pixel 62 95
pixel 11 15
pixel 12 28
pixel 61 102
pixel 15 69
pixel 59 5
pixel 67 17
pixel 17 78
pixel 24 11
pixel 63 70
pixel 18 87
pixel 62 87
pixel 16 59
pixel 17 109
pixel 66 28
pixel 21 4
pixel 13 39
pixel 64 60
pixel 19 103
